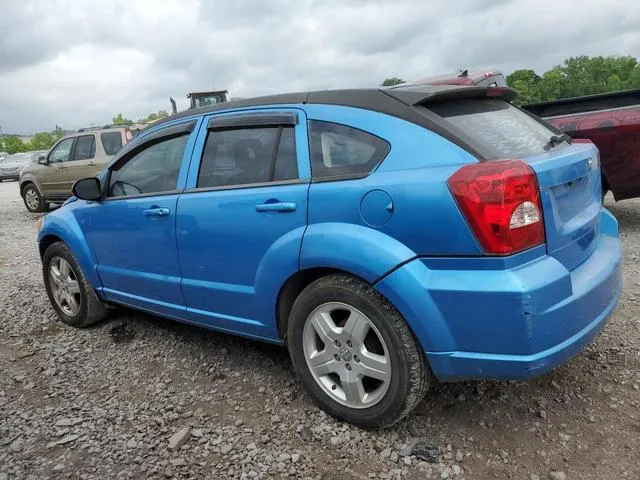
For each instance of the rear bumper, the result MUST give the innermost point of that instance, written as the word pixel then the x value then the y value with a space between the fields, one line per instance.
pixel 477 319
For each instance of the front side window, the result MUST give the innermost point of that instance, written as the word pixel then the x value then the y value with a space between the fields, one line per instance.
pixel 61 152
pixel 341 150
pixel 111 142
pixel 242 156
pixel 155 169
pixel 85 148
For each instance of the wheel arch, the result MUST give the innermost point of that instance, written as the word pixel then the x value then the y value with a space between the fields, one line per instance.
pixel 58 227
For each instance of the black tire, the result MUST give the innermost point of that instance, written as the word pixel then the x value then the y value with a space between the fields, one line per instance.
pixel 42 206
pixel 92 310
pixel 410 375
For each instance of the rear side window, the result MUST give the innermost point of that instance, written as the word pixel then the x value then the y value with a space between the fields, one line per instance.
pixel 111 142
pixel 85 148
pixel 243 156
pixel 338 150
pixel 498 127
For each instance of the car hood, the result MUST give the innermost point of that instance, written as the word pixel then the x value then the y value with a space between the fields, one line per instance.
pixel 7 164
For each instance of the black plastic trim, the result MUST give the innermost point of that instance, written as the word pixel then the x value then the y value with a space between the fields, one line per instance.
pixel 140 195
pixel 339 178
pixel 253 120
pixel 296 181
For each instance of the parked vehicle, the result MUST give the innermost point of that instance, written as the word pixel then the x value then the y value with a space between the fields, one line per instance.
pixel 3 155
pixel 11 165
pixel 480 78
pixel 387 237
pixel 612 122
pixel 75 156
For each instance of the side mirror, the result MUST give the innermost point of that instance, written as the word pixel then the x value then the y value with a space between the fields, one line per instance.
pixel 42 160
pixel 88 189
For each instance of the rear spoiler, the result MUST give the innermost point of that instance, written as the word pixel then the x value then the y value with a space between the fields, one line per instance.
pixel 420 95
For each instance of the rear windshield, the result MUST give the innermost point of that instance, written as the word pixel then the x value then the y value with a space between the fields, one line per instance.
pixel 502 130
pixel 111 141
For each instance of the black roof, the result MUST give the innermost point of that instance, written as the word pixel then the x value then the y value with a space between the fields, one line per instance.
pixel 395 101
pixel 386 100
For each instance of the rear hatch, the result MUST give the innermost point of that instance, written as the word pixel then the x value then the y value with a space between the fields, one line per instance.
pixel 568 175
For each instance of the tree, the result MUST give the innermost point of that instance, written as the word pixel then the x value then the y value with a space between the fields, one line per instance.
pixel 152 117
pixel 577 76
pixel 390 82
pixel 120 120
pixel 41 141
pixel 58 133
pixel 13 144
pixel 526 83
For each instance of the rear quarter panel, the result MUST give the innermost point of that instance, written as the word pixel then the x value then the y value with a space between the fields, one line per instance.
pixel 423 218
pixel 616 133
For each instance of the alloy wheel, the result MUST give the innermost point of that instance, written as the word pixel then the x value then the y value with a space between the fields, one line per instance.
pixel 346 355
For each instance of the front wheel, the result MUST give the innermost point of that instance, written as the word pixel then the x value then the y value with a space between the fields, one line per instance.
pixel 33 199
pixel 70 293
pixel 354 353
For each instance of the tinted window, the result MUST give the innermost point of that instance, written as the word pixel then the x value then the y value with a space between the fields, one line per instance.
pixel 342 150
pixel 237 157
pixel 61 152
pixel 502 129
pixel 152 170
pixel 85 148
pixel 111 142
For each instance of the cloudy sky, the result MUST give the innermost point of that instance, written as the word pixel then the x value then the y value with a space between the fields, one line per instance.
pixel 79 62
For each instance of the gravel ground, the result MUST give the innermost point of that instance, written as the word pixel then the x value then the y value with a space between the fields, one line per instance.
pixel 142 397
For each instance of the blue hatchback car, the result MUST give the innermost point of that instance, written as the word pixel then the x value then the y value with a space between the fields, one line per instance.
pixel 387 237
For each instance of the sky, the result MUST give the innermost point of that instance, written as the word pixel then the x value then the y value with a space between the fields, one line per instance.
pixel 76 63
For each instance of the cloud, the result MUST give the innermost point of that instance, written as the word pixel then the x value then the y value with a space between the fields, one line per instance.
pixel 76 63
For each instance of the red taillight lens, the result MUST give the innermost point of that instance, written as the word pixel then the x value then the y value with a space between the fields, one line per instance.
pixel 501 202
pixel 128 135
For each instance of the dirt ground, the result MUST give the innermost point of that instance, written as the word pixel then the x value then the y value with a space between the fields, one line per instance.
pixel 103 402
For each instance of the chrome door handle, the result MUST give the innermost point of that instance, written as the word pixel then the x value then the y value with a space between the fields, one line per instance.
pixel 276 207
pixel 156 212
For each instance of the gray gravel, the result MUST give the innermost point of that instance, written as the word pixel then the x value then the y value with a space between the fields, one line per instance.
pixel 143 397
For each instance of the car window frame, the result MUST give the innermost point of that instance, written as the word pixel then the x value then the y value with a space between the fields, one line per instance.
pixel 188 128
pixel 256 118
pixel 72 154
pixel 71 150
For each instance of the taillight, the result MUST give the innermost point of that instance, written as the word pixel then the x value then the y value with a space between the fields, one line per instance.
pixel 127 135
pixel 501 202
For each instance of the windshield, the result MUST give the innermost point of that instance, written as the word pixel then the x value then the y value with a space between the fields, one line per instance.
pixel 502 129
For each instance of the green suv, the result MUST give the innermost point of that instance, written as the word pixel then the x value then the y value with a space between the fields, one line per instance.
pixel 78 155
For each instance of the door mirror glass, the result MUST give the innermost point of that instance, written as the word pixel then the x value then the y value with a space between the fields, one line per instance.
pixel 42 160
pixel 88 189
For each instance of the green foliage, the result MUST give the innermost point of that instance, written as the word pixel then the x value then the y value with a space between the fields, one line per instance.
pixel 575 77
pixel 41 141
pixel 12 144
pixel 390 82
pixel 58 133
pixel 153 116
pixel 120 120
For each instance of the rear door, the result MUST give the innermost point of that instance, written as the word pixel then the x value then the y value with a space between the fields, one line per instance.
pixel 568 175
pixel 54 176
pixel 242 217
pixel 82 163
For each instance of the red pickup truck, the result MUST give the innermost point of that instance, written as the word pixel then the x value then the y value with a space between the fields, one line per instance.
pixel 610 120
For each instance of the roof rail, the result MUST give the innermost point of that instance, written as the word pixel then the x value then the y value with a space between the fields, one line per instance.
pixel 112 125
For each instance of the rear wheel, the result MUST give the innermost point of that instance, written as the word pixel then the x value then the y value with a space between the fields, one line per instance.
pixel 355 354
pixel 33 199
pixel 71 295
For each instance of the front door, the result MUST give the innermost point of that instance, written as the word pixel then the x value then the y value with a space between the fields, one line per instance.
pixel 54 177
pixel 82 163
pixel 132 231
pixel 241 220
